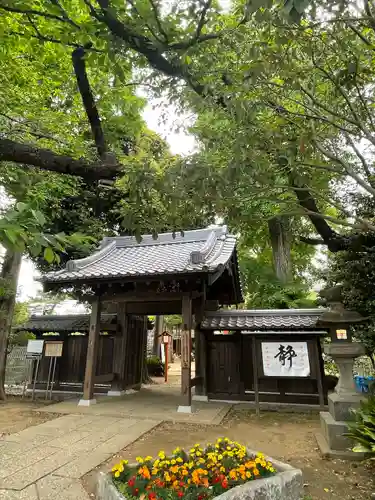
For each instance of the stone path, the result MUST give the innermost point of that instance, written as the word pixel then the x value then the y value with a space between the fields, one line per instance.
pixel 46 462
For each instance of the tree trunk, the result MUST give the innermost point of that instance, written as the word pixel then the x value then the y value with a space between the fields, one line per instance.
pixel 159 320
pixel 9 278
pixel 281 242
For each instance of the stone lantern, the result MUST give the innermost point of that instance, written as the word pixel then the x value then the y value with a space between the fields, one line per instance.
pixel 343 351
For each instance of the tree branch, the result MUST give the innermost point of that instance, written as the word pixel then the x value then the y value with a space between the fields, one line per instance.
pixel 311 241
pixel 346 167
pixel 158 21
pixel 365 165
pixel 369 14
pixel 88 100
pixel 64 13
pixel 43 38
pixel 33 12
pixel 46 159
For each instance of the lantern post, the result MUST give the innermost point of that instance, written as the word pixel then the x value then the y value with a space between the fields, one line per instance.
pixel 340 321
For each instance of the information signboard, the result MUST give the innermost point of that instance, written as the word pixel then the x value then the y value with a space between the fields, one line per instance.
pixel 53 349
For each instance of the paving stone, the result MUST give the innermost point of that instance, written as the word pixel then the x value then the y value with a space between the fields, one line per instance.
pixel 30 474
pixel 25 443
pixel 70 439
pixel 119 441
pixel 63 488
pixel 28 493
pixel 9 465
pixel 83 464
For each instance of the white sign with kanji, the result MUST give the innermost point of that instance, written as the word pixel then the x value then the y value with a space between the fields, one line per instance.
pixel 285 359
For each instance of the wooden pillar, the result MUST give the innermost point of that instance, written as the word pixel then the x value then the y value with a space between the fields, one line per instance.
pixel 319 372
pixel 92 351
pixel 185 406
pixel 119 352
pixel 201 365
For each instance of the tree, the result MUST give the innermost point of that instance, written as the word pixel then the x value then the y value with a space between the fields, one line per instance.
pixel 282 76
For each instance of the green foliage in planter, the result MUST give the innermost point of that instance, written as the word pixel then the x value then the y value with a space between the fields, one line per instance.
pixel 155 366
pixel 362 429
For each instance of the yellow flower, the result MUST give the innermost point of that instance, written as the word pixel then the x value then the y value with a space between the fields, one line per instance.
pixel 114 469
pixel 173 461
pixel 161 454
pixel 121 468
pixel 219 440
pixel 233 474
pixel 148 458
pixel 222 469
pixel 177 450
pixel 255 472
pixel 179 460
pixel 125 462
pixel 248 474
pixel 139 460
pixel 199 454
pixel 220 457
pixel 117 474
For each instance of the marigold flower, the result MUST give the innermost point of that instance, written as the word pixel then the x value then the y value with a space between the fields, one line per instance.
pixel 117 473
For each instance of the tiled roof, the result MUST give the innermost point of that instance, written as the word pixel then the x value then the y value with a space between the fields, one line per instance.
pixel 261 319
pixel 63 323
pixel 203 250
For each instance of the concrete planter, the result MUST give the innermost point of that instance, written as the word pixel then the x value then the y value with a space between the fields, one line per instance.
pixel 287 484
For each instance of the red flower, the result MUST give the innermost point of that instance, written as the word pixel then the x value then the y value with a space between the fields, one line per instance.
pixel 216 479
pixel 152 496
pixel 180 494
pixel 224 483
pixel 131 481
pixel 135 492
pixel 181 484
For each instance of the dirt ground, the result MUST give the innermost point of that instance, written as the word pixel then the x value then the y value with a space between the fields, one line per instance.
pixel 17 414
pixel 285 436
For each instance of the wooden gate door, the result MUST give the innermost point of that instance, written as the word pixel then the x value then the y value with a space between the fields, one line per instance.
pixel 224 368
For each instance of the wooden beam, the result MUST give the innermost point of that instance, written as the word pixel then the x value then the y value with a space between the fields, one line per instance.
pixel 155 308
pixel 92 351
pixel 195 381
pixel 186 355
pixel 318 364
pixel 102 379
pixel 255 375
pixel 119 350
pixel 149 296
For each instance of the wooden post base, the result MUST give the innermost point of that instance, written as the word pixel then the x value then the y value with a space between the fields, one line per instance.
pixel 184 409
pixel 86 402
pixel 114 392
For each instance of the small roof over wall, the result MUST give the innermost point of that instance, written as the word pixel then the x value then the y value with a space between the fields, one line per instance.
pixel 64 323
pixel 262 319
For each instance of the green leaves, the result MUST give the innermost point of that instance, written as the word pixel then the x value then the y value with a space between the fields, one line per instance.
pixel 362 429
pixel 49 255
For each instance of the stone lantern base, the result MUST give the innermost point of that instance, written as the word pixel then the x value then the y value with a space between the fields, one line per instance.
pixel 331 441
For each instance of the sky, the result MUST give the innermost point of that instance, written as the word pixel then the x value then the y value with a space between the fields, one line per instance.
pixel 179 142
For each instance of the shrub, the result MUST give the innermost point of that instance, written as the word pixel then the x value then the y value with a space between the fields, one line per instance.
pixel 362 429
pixel 197 475
pixel 155 367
